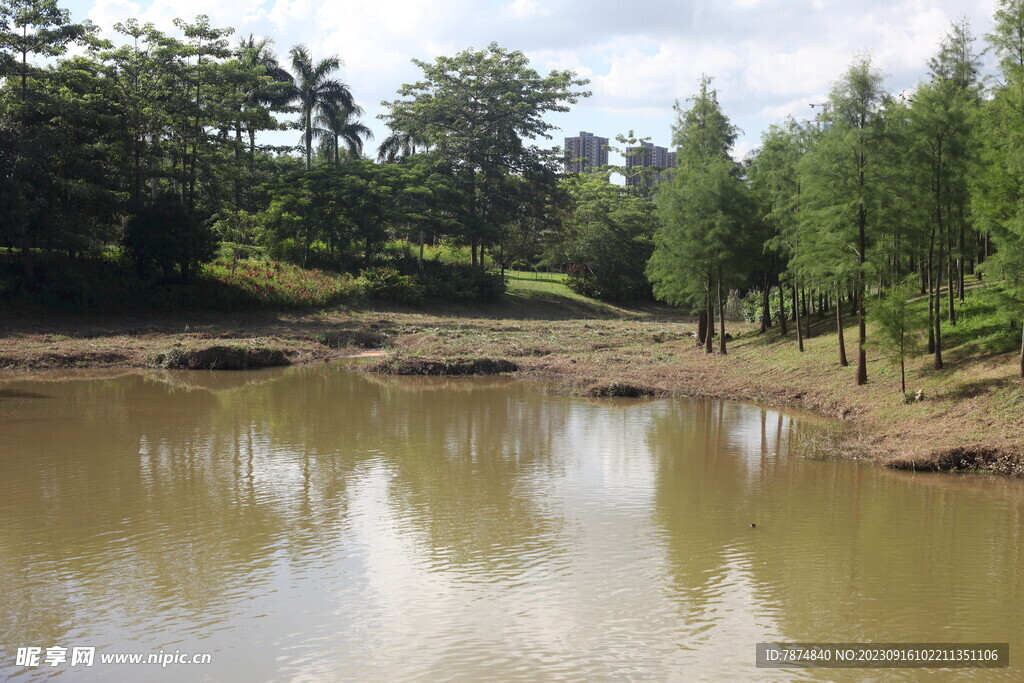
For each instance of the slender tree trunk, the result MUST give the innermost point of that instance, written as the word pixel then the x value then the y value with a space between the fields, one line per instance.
pixel 252 148
pixel 903 375
pixel 931 293
pixel 862 331
pixel 793 315
pixel 938 312
pixel 960 262
pixel 472 216
pixel 708 339
pixel 951 282
pixel 721 314
pixel 782 310
pixel 702 327
pixel 799 328
pixel 1022 351
pixel 839 330
pixel 309 139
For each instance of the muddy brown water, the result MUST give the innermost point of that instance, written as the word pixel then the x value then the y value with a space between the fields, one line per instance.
pixel 316 524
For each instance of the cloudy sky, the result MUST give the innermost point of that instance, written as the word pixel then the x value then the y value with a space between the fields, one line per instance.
pixel 769 58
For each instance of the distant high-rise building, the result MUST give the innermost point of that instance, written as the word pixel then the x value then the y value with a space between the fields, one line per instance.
pixel 648 155
pixel 584 153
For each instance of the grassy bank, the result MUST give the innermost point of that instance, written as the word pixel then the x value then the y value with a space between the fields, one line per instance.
pixel 971 415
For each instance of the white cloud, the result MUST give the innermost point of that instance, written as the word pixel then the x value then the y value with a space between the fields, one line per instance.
pixel 769 57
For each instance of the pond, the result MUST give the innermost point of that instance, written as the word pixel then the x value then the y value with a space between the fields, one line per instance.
pixel 313 523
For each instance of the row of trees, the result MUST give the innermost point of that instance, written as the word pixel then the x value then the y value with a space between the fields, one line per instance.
pixel 152 143
pixel 878 189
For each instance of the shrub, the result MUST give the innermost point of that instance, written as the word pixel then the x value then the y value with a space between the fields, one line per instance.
pixel 388 284
pixel 750 304
pixel 166 236
pixel 461 282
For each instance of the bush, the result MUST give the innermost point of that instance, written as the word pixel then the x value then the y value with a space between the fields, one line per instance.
pixel 750 304
pixel 167 236
pixel 461 282
pixel 388 284
pixel 607 284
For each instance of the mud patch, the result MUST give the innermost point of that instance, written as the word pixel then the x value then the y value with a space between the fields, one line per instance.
pixel 363 339
pixel 963 459
pixel 448 367
pixel 219 358
pixel 621 390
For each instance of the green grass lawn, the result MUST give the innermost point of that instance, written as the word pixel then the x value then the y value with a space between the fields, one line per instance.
pixel 529 291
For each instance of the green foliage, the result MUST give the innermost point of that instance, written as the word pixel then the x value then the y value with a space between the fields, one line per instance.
pixel 475 111
pixel 166 236
pixel 988 320
pixel 750 304
pixel 460 283
pixel 899 325
pixel 388 284
pixel 271 284
pixel 320 96
pixel 704 211
pixel 109 282
pixel 607 237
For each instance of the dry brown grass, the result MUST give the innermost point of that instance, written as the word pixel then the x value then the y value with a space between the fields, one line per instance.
pixel 971 416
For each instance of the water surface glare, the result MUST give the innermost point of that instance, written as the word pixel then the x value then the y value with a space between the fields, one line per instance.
pixel 317 524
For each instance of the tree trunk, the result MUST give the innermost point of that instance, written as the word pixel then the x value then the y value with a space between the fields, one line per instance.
pixel 862 331
pixel 950 282
pixel 862 338
pixel 766 315
pixel 708 344
pixel 782 310
pixel 960 263
pixel 903 375
pixel 702 327
pixel 721 314
pixel 931 293
pixel 938 313
pixel 799 328
pixel 839 329
pixel 309 139
pixel 238 165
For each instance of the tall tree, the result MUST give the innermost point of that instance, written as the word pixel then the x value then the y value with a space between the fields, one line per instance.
pixel 337 125
pixel 701 211
pixel 844 183
pixel 28 29
pixel 316 91
pixel 998 194
pixel 475 110
pixel 941 115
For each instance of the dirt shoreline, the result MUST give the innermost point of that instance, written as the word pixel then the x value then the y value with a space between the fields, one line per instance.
pixel 962 429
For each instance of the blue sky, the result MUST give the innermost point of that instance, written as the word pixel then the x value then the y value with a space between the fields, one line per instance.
pixel 769 58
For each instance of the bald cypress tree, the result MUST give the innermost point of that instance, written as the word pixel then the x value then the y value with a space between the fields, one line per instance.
pixel 843 183
pixel 701 210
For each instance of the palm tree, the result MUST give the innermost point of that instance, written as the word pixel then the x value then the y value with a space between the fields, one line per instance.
pixel 316 92
pixel 334 125
pixel 397 146
pixel 274 92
